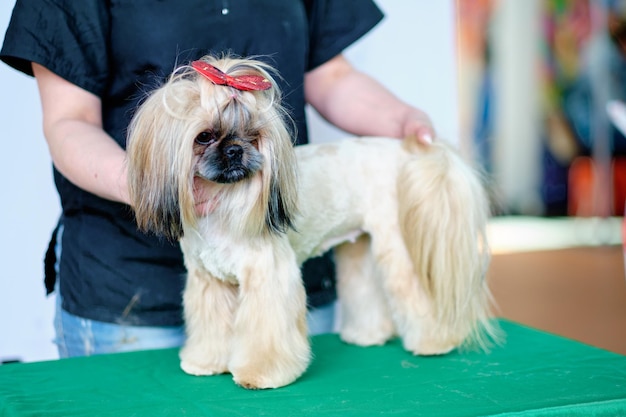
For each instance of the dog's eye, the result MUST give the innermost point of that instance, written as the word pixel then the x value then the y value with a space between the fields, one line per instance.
pixel 205 138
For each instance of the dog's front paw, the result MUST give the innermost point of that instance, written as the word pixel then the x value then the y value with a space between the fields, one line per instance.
pixel 253 381
pixel 271 371
pixel 265 377
pixel 197 369
pixel 202 362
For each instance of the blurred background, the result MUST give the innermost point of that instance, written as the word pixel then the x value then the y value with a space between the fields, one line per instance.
pixel 542 85
pixel 531 91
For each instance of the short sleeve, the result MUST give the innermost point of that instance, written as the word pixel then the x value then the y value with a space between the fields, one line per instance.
pixel 66 36
pixel 336 24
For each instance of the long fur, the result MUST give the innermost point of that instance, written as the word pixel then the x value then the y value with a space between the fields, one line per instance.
pixel 417 216
pixel 443 201
pixel 244 302
pixel 165 127
pixel 407 223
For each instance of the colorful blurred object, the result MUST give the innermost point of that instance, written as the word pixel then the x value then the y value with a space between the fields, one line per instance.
pixel 581 67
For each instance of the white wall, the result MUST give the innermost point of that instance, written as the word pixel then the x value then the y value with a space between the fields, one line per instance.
pixel 412 52
pixel 28 214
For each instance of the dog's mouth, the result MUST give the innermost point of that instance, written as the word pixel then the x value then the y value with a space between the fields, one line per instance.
pixel 233 174
pixel 228 162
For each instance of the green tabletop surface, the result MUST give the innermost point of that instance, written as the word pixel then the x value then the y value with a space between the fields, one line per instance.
pixel 531 374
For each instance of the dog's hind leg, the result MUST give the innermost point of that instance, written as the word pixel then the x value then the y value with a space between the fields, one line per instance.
pixel 270 345
pixel 410 306
pixel 209 305
pixel 365 316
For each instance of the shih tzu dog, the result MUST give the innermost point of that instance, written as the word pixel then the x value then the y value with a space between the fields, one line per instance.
pixel 211 163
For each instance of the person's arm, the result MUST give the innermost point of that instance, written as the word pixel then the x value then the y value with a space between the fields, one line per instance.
pixel 80 149
pixel 358 104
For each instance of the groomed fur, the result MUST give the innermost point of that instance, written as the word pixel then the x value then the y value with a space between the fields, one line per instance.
pixel 443 215
pixel 407 223
pixel 408 226
pixel 244 301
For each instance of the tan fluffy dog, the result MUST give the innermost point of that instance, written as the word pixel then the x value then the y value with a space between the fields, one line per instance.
pixel 407 223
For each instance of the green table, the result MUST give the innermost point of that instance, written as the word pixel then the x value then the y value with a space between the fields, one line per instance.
pixel 533 373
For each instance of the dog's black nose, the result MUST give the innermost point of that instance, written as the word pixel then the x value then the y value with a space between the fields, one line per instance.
pixel 233 152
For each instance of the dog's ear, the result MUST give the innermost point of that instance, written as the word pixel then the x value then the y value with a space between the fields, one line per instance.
pixel 158 168
pixel 282 201
pixel 279 215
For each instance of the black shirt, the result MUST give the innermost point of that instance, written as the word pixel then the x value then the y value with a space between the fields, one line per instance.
pixel 121 49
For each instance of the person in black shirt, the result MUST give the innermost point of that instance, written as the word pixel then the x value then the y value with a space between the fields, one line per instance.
pixel 94 60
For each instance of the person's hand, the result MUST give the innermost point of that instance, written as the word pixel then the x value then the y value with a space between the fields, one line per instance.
pixel 417 124
pixel 202 197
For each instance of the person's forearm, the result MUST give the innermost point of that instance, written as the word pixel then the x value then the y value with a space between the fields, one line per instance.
pixel 359 104
pixel 80 149
pixel 90 159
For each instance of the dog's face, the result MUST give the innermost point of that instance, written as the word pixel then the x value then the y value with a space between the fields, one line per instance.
pixel 228 154
pixel 235 141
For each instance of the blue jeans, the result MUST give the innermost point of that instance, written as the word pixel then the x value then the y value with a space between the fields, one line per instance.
pixel 77 336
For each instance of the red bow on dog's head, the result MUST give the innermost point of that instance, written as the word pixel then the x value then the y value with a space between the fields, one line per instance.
pixel 240 82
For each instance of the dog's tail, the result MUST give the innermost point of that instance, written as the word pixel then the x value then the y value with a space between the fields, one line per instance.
pixel 443 215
